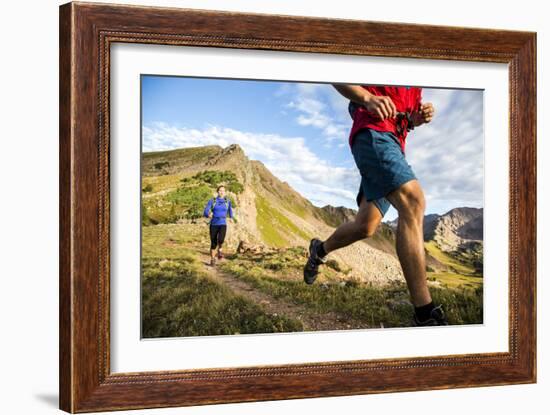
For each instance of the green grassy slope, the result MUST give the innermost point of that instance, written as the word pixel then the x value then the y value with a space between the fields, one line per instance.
pixel 388 306
pixel 282 193
pixel 458 273
pixel 273 225
pixel 174 161
pixel 180 299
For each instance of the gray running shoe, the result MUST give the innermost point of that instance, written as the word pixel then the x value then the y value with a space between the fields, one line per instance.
pixel 311 269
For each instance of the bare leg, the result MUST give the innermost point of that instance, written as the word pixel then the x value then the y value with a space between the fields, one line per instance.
pixel 365 224
pixel 410 204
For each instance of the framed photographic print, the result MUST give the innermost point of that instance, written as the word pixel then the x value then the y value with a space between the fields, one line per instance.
pixel 258 207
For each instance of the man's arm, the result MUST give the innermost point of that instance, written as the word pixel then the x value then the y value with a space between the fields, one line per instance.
pixel 381 106
pixel 354 93
pixel 424 114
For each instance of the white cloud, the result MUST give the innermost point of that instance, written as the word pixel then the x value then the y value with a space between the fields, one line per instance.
pixel 447 154
pixel 288 158
pixel 321 107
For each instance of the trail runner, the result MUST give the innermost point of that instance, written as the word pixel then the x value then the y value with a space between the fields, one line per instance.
pixel 217 209
pixel 382 117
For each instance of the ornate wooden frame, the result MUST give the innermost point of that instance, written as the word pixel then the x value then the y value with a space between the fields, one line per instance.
pixel 86 33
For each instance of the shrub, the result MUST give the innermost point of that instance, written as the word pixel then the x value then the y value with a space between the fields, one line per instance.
pixel 189 202
pixel 215 178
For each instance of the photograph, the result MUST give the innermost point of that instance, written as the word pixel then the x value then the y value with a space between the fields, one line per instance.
pixel 257 204
pixel 286 206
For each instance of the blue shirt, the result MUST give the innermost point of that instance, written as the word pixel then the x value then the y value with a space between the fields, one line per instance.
pixel 220 207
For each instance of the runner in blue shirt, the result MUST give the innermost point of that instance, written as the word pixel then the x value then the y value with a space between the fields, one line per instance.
pixel 218 208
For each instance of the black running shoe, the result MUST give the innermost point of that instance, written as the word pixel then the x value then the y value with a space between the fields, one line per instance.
pixel 311 268
pixel 437 318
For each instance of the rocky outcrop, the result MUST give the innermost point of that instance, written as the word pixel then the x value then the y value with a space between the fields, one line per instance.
pixel 457 229
pixel 335 216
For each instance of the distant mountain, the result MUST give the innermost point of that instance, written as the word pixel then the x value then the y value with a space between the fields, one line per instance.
pixel 335 216
pixel 455 229
pixel 428 219
pixel 457 226
pixel 457 233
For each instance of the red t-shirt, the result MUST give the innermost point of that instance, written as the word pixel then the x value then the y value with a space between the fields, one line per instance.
pixel 406 99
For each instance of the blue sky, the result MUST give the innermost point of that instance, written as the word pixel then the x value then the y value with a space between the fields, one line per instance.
pixel 300 132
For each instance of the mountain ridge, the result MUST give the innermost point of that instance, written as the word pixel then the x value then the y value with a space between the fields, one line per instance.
pixel 270 212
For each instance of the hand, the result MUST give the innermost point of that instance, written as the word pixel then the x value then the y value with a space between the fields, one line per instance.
pixel 424 115
pixel 210 215
pixel 381 106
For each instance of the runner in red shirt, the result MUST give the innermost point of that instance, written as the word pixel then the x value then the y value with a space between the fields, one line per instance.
pixel 382 117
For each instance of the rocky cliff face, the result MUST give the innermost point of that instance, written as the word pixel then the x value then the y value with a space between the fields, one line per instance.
pixel 456 229
pixel 335 216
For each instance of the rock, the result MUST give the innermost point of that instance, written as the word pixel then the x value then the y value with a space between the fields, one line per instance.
pixel 242 247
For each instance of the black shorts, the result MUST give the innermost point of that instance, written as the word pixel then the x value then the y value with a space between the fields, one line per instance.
pixel 217 235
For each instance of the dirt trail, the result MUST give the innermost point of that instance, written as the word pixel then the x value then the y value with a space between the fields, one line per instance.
pixel 311 320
